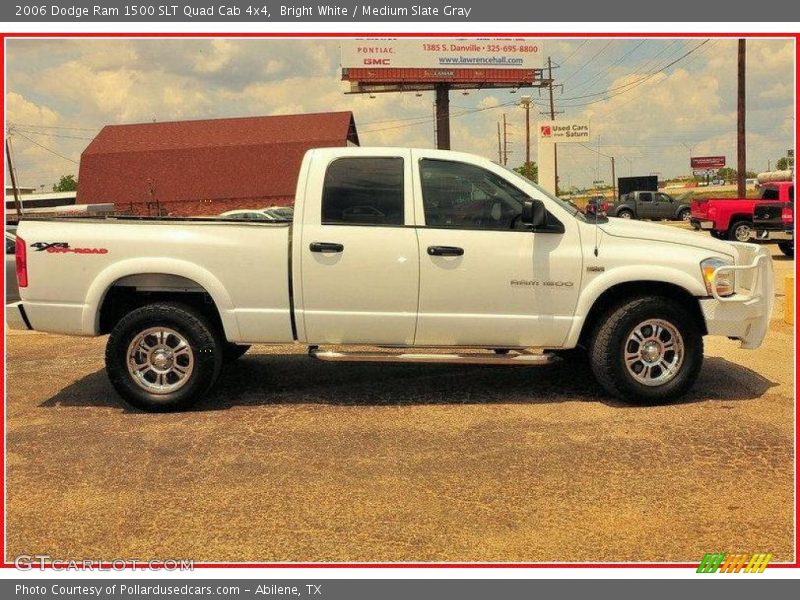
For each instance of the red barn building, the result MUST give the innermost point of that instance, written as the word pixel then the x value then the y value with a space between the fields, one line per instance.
pixel 205 167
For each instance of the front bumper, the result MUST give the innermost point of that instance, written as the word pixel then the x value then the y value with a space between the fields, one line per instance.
pixel 704 224
pixel 16 317
pixel 744 315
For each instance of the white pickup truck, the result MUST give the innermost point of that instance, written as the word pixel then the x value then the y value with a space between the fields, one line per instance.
pixel 426 255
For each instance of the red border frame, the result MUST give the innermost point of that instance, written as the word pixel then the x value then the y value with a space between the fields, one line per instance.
pixel 795 36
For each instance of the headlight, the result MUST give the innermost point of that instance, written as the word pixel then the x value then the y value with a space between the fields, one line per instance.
pixel 725 281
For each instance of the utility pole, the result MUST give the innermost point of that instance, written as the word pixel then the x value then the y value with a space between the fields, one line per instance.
pixel 17 203
pixel 613 179
pixel 741 150
pixel 505 141
pixel 443 116
pixel 499 146
pixel 552 118
pixel 435 132
pixel 525 102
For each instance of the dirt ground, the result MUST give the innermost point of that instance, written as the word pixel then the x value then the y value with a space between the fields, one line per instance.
pixel 295 460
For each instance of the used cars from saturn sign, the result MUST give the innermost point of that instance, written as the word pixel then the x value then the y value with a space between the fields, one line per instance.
pixel 564 131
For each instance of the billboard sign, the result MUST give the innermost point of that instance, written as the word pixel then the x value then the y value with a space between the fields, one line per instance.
pixel 564 131
pixel 704 163
pixel 446 54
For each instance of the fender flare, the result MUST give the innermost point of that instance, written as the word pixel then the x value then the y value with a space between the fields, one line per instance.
pixel 634 274
pixel 90 321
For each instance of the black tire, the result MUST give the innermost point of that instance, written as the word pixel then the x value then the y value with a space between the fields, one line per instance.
pixel 232 352
pixel 787 248
pixel 625 213
pixel 735 232
pixel 611 340
pixel 501 350
pixel 684 214
pixel 206 350
pixel 719 235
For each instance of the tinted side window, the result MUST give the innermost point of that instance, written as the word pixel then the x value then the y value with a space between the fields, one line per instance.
pixel 645 197
pixel 663 198
pixel 769 193
pixel 465 196
pixel 363 191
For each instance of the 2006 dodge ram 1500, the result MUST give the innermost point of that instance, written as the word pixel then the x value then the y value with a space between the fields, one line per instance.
pixel 399 249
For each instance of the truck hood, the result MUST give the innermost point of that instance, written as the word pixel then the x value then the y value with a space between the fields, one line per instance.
pixel 642 230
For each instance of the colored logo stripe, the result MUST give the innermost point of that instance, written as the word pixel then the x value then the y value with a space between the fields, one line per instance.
pixel 734 563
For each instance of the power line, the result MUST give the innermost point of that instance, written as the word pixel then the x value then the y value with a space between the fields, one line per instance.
pixel 631 85
pixel 588 62
pixel 56 135
pixel 574 52
pixel 58 127
pixel 429 120
pixel 605 70
pixel 50 150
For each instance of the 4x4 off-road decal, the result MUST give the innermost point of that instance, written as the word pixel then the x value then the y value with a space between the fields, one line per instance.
pixel 64 247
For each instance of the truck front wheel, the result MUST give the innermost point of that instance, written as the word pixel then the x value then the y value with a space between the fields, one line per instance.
pixel 163 357
pixel 647 350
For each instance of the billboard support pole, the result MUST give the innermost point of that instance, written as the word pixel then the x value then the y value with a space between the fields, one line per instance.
pixel 443 116
pixel 741 156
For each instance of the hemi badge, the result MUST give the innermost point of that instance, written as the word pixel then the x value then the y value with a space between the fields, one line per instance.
pixel 595 269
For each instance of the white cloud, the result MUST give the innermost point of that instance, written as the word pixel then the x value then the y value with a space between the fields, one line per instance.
pixel 90 83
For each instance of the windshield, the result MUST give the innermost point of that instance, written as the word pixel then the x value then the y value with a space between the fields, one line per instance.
pixel 566 205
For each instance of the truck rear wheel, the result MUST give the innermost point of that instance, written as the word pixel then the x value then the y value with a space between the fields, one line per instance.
pixel 647 350
pixel 787 248
pixel 740 231
pixel 625 214
pixel 163 357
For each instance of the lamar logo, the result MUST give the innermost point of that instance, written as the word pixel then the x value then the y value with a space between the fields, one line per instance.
pixel 734 563
pixel 545 131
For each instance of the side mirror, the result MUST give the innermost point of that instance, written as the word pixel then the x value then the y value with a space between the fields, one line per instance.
pixel 533 213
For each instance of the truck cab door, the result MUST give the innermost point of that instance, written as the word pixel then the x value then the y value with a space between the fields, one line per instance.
pixel 357 254
pixel 645 205
pixel 485 279
pixel 665 206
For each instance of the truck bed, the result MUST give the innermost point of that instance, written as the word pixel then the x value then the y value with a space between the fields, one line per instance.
pixel 242 265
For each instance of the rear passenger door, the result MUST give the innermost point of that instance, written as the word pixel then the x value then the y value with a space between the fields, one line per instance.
pixel 645 205
pixel 358 253
pixel 665 206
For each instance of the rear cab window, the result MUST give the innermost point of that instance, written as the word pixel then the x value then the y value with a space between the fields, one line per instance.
pixel 364 191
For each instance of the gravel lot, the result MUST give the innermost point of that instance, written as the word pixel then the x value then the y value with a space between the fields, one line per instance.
pixel 295 460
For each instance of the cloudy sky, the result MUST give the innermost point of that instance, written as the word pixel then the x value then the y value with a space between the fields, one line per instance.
pixel 643 111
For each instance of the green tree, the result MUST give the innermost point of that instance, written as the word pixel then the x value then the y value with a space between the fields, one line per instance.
pixel 67 183
pixel 726 173
pixel 529 170
pixel 782 164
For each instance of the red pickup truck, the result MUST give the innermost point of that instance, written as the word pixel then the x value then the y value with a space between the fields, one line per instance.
pixel 732 218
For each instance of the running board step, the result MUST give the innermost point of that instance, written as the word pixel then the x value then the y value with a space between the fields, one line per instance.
pixel 416 357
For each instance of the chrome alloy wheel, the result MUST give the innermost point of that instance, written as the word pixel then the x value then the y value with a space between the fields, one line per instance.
pixel 654 352
pixel 742 232
pixel 160 360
